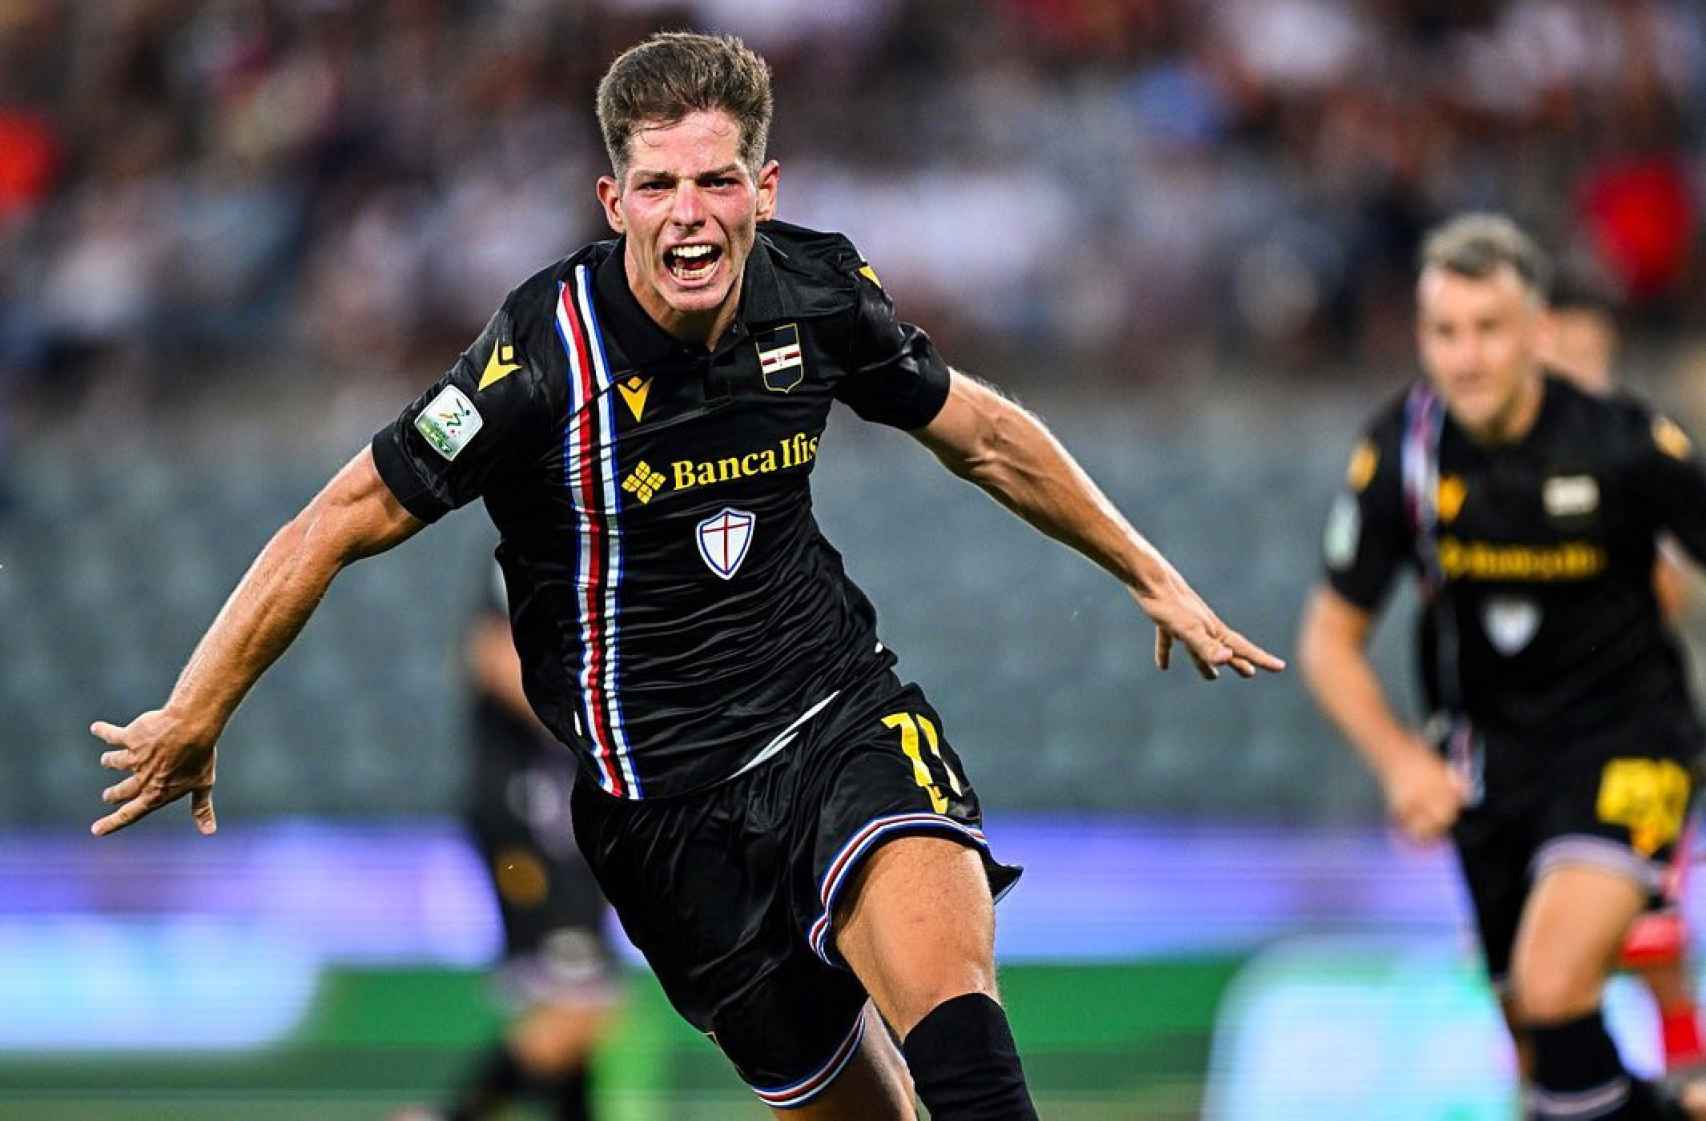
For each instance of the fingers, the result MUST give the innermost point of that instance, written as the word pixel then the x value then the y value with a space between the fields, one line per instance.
pixel 1232 649
pixel 1254 655
pixel 1163 648
pixel 122 791
pixel 201 809
pixel 109 733
pixel 1426 822
pixel 1207 652
pixel 118 760
pixel 1423 833
pixel 132 811
pixel 1420 826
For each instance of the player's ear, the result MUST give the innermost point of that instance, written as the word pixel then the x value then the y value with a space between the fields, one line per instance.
pixel 610 197
pixel 768 177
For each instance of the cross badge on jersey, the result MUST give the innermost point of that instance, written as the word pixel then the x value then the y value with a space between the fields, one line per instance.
pixel 723 540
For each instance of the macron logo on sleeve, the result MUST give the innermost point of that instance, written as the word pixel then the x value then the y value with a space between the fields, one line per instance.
pixel 499 365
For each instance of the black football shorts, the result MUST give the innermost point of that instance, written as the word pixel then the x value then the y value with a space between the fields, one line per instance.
pixel 730 892
pixel 1617 800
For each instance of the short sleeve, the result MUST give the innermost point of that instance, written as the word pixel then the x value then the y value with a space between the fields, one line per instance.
pixel 895 375
pixel 1367 538
pixel 484 418
pixel 1670 478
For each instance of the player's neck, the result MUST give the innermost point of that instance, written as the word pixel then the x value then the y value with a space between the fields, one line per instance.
pixel 704 328
pixel 1517 418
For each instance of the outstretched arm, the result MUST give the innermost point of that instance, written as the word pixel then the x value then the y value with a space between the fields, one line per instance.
pixel 1423 794
pixel 991 441
pixel 170 750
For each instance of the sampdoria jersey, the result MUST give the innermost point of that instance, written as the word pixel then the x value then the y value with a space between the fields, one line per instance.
pixel 678 613
pixel 1539 622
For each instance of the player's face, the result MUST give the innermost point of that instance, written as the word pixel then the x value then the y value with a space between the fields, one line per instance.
pixel 1580 343
pixel 1479 340
pixel 690 210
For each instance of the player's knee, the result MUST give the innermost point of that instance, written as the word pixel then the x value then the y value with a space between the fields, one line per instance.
pixel 909 978
pixel 918 1001
pixel 551 1042
pixel 1549 993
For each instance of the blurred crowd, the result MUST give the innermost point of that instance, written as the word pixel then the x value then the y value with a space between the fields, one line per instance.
pixel 194 188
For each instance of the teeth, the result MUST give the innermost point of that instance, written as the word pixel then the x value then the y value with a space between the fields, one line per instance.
pixel 692 252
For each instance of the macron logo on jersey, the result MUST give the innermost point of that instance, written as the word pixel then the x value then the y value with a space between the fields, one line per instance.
pixel 499 365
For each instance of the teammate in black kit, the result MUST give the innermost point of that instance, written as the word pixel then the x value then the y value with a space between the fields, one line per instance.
pixel 1562 742
pixel 558 969
pixel 782 824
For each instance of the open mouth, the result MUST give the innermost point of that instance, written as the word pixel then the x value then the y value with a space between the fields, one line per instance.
pixel 689 263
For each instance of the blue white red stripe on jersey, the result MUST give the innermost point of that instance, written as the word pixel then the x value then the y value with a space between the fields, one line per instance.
pixel 589 466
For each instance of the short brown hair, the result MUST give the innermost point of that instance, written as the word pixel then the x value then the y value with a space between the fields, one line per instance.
pixel 675 73
pixel 1477 245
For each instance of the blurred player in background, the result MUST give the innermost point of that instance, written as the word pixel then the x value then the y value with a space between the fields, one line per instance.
pixel 1580 341
pixel 557 965
pixel 1562 742
pixel 780 822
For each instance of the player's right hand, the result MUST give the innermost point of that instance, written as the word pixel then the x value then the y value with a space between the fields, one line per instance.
pixel 1423 794
pixel 167 759
pixel 1180 615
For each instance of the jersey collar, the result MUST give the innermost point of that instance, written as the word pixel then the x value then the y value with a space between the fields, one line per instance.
pixel 643 343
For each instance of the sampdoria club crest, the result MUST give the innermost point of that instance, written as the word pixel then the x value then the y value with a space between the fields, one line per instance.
pixel 724 538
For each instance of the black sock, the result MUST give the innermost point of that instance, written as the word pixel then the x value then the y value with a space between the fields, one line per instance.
pixel 571 1096
pixel 498 1079
pixel 1579 1076
pixel 965 1065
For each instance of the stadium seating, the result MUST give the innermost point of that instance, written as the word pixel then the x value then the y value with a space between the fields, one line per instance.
pixel 1038 662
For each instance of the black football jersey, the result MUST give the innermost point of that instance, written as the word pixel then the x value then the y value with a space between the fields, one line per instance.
pixel 1539 620
pixel 678 612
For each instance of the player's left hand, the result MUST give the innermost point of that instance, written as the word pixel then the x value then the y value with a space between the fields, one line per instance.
pixel 1180 615
pixel 167 759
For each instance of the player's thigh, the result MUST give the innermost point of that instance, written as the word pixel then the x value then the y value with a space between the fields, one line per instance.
pixel 702 886
pixel 1572 929
pixel 883 769
pixel 875 1085
pixel 918 927
pixel 1606 832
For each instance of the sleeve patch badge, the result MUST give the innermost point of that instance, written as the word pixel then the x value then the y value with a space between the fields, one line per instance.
pixel 1360 470
pixel 870 274
pixel 1671 439
pixel 449 422
pixel 1344 534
